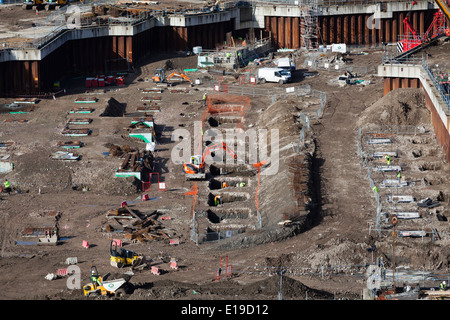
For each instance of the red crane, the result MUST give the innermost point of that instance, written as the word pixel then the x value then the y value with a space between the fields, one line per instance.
pixel 412 39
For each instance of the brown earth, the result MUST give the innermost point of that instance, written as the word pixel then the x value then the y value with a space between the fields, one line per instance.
pixel 325 257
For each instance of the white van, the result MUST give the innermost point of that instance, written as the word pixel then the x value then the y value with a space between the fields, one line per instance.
pixel 274 75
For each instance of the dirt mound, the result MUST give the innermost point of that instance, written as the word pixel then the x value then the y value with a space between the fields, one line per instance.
pixel 398 107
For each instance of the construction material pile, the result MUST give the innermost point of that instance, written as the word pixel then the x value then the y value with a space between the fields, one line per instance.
pixel 137 228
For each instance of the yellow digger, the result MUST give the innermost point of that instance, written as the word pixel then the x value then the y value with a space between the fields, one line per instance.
pixel 122 258
pixel 116 287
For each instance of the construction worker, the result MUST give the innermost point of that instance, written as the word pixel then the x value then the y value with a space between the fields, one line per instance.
pixel 7 186
pixel 217 200
pixel 95 278
pixel 228 55
pixel 224 185
pixel 204 99
pixel 388 159
pixel 399 175
pixel 443 286
pixel 375 189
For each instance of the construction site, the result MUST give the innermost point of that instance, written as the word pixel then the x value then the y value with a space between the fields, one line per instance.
pixel 225 150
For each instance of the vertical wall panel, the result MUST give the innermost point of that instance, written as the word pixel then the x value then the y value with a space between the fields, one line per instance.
pixel 280 29
pixel 353 29
pixel 346 29
pixel 325 31
pixel 273 28
pixel 366 31
pixel 288 32
pixel 339 34
pixel 360 29
pixel 332 29
pixel 296 32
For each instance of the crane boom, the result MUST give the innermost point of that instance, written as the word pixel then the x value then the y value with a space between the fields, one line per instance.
pixel 444 6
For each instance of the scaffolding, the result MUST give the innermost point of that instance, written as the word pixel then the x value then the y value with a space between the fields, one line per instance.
pixel 309 16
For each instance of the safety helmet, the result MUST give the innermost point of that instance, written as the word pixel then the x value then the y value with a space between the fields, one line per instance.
pixel 444 282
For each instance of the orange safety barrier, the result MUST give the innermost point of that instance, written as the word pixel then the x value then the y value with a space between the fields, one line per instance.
pixel 117 242
pixel 61 272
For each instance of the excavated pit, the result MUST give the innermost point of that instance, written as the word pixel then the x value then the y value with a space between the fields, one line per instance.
pixel 217 215
pixel 429 167
pixel 228 197
pixel 232 170
pixel 231 182
pixel 216 121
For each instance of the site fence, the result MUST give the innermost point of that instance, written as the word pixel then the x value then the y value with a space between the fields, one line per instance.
pixel 318 63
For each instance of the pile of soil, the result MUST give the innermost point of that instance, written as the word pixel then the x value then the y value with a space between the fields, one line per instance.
pixel 398 107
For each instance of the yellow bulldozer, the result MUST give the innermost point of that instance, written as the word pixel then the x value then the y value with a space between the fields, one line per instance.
pixel 120 258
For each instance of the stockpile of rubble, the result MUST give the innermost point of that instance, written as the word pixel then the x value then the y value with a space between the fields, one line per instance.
pixel 136 227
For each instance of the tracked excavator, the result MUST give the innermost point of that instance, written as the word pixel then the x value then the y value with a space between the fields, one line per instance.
pixel 160 77
pixel 195 169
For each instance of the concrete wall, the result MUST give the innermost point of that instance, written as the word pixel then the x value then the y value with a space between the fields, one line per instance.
pixel 88 49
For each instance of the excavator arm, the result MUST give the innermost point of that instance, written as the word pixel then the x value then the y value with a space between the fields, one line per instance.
pixel 192 169
pixel 179 75
pixel 444 6
pixel 215 147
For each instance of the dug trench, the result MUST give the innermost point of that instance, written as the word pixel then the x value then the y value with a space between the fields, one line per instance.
pixel 288 192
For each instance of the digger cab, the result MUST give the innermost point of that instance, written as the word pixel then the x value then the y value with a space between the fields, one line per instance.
pixel 159 76
pixel 194 166
pixel 196 160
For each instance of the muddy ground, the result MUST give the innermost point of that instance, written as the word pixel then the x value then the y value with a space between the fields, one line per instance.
pixel 324 255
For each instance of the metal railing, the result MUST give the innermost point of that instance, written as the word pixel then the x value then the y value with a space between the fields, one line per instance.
pixel 439 86
pixel 58 19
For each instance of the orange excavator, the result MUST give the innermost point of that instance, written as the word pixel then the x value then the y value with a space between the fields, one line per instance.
pixel 195 169
pixel 160 77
